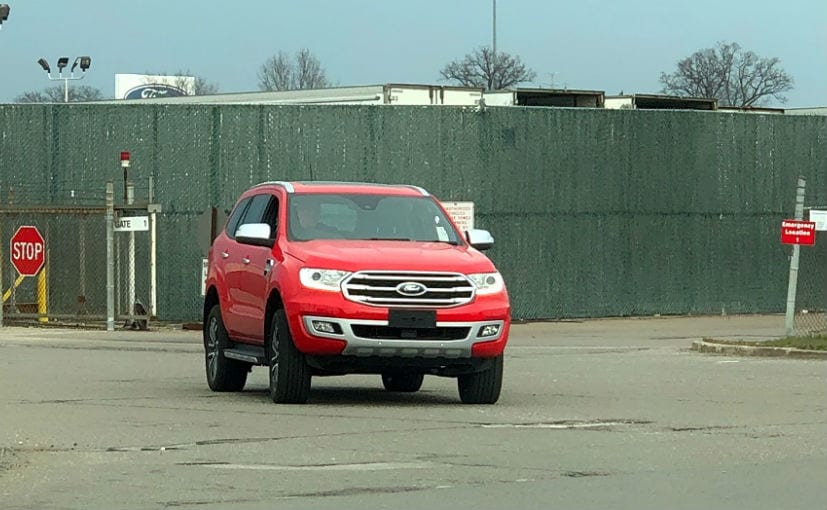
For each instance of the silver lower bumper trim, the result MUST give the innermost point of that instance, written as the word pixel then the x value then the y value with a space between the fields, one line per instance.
pixel 407 348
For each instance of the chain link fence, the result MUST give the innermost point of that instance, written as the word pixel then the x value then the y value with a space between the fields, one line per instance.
pixel 595 212
pixel 71 283
pixel 70 286
pixel 811 291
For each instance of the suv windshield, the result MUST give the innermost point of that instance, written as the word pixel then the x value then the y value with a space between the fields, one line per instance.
pixel 368 217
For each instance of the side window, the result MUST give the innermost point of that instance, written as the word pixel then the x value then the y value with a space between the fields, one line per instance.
pixel 235 217
pixel 271 216
pixel 262 209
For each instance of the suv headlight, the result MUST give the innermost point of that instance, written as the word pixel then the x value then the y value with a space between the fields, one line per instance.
pixel 322 279
pixel 487 283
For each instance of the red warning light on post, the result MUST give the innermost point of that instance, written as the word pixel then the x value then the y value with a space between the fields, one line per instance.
pixel 124 158
pixel 798 232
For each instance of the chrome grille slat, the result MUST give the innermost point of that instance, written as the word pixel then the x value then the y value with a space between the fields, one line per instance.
pixel 380 288
pixel 397 277
pixel 368 299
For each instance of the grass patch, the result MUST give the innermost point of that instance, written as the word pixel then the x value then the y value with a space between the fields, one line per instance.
pixel 813 343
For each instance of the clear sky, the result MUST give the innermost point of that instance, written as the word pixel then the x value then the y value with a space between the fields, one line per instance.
pixel 609 45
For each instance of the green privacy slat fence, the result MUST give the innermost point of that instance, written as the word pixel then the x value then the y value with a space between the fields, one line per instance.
pixel 595 212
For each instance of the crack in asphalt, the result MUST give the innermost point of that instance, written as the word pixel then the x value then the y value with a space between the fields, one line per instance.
pixel 602 424
pixel 356 491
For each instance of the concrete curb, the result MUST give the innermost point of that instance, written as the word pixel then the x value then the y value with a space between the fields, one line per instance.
pixel 750 350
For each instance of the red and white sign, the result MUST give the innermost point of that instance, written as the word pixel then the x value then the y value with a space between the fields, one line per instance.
pixel 28 251
pixel 798 232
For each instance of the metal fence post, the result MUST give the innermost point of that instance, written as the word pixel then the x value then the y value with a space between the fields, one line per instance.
pixel 789 318
pixel 153 243
pixel 110 256
pixel 130 299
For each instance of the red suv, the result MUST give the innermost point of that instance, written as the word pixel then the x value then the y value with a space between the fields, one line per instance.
pixel 320 278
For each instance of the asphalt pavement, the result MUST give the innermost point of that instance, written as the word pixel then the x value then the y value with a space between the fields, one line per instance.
pixel 613 413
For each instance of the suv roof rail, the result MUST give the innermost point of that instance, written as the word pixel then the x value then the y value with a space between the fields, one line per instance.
pixel 419 189
pixel 290 189
pixel 286 185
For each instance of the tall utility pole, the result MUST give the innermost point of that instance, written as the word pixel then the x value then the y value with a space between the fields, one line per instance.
pixel 493 48
pixel 494 33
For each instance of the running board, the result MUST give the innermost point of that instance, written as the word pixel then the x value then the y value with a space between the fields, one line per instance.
pixel 246 353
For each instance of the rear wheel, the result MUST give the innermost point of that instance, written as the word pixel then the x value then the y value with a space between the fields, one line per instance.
pixel 407 383
pixel 222 374
pixel 482 387
pixel 289 373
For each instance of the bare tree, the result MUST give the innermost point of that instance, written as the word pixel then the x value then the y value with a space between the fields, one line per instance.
pixel 482 69
pixel 303 71
pixel 731 75
pixel 54 94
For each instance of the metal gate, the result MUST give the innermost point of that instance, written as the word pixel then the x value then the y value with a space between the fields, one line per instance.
pixel 98 264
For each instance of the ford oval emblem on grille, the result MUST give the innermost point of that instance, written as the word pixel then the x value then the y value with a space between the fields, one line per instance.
pixel 411 289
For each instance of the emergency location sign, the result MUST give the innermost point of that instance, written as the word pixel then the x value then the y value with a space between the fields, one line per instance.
pixel 798 232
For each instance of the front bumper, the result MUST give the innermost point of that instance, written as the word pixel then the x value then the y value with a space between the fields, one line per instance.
pixel 363 331
pixel 450 339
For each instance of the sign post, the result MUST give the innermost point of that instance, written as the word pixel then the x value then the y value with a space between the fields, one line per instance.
pixel 792 284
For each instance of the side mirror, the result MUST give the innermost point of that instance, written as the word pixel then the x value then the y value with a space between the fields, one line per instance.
pixel 257 234
pixel 480 239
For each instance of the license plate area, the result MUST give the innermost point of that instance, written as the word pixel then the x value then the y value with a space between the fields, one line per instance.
pixel 412 319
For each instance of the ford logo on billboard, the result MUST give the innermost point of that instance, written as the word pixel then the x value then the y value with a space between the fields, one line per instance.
pixel 154 90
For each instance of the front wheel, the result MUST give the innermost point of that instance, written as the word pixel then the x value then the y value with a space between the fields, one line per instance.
pixel 482 387
pixel 222 374
pixel 405 383
pixel 289 373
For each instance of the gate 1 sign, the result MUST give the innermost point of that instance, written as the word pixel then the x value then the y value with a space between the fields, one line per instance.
pixel 28 251
pixel 798 232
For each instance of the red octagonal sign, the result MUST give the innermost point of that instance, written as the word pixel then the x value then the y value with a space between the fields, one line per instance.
pixel 28 251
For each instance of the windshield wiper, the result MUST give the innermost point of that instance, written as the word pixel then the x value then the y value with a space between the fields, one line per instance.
pixel 389 239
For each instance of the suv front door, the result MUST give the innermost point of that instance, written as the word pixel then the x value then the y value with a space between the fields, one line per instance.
pixel 254 270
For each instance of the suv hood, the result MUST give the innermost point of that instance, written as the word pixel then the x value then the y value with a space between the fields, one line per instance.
pixel 390 255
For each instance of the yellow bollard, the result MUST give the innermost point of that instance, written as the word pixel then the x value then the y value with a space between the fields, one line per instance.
pixel 42 296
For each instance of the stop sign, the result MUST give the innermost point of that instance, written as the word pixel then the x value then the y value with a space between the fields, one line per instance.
pixel 28 251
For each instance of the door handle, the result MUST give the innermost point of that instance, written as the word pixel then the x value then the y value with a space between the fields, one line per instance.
pixel 245 261
pixel 225 254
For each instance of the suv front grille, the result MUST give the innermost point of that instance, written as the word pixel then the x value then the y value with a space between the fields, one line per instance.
pixel 394 289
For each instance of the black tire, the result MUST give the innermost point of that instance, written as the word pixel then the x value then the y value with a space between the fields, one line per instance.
pixel 223 374
pixel 289 374
pixel 405 383
pixel 482 387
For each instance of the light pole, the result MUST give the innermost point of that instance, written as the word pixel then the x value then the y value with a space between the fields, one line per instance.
pixel 493 46
pixel 4 14
pixel 494 33
pixel 84 63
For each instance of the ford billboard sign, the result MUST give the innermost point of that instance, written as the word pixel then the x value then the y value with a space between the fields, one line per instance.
pixel 154 90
